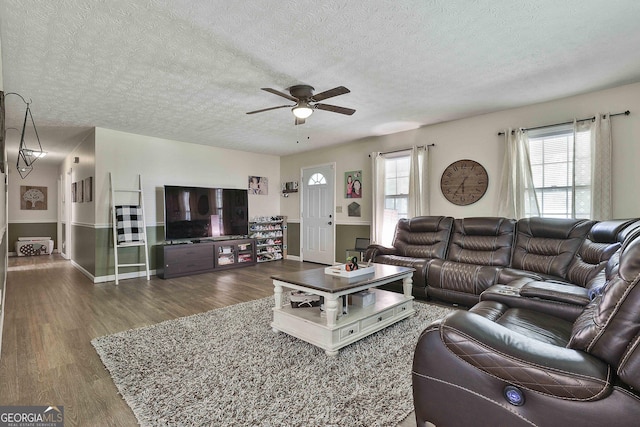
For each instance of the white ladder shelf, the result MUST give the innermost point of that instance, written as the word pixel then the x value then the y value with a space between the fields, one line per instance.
pixel 141 239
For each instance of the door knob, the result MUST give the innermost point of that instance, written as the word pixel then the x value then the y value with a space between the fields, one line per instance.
pixel 329 223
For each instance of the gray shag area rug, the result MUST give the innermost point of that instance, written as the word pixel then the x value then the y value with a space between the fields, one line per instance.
pixel 226 367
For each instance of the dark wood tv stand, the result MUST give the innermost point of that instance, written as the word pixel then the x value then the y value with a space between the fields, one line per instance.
pixel 175 260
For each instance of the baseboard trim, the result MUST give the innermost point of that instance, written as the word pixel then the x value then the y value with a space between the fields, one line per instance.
pixel 111 277
pixel 293 257
pixel 123 276
pixel 82 270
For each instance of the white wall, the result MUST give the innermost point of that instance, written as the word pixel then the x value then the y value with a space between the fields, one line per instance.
pixel 42 175
pixel 1 81
pixel 84 212
pixel 165 162
pixel 476 138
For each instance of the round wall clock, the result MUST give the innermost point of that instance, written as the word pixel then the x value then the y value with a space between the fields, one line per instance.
pixel 464 182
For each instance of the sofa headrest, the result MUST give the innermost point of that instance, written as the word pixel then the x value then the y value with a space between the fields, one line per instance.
pixel 482 240
pixel 629 231
pixel 608 231
pixel 555 228
pixel 548 245
pixel 423 237
pixel 485 226
pixel 422 224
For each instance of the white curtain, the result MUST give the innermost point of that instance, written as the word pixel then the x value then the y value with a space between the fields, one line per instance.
pixel 419 182
pixel 517 196
pixel 377 223
pixel 601 167
pixel 384 220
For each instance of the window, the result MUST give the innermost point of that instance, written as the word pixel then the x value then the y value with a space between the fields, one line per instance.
pixel 317 179
pixel 396 185
pixel 561 169
pixel 396 193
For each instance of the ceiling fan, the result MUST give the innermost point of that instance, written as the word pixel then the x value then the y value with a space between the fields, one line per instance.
pixel 306 101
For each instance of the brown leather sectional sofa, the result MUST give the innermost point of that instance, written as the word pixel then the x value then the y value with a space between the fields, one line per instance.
pixel 562 349
pixel 464 260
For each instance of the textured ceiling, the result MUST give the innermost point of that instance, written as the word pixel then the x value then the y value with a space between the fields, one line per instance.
pixel 189 70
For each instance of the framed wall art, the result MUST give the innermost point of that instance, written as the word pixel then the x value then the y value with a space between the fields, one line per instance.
pixel 353 184
pixel 88 189
pixel 33 198
pixel 259 185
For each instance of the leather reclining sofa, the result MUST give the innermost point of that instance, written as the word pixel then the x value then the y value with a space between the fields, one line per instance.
pixel 457 260
pixel 552 337
pixel 532 354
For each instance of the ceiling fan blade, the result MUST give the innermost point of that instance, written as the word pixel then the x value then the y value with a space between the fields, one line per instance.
pixel 271 108
pixel 340 90
pixel 277 92
pixel 300 121
pixel 335 109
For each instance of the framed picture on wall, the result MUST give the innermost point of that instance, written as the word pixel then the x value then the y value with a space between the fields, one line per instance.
pixel 33 198
pixel 88 189
pixel 353 184
pixel 259 185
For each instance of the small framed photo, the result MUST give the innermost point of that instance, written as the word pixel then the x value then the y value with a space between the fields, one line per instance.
pixel 88 189
pixel 259 185
pixel 353 184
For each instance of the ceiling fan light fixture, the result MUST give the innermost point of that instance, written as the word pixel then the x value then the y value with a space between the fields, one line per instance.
pixel 302 110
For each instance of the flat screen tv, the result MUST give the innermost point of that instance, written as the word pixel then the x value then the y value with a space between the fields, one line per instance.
pixel 204 213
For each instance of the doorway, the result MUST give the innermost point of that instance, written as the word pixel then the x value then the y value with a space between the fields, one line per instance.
pixel 318 214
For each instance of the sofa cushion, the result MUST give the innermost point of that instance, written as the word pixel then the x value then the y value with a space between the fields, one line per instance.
pixel 419 264
pixel 423 236
pixel 530 323
pixel 458 277
pixel 548 245
pixel 524 348
pixel 589 261
pixel 602 241
pixel 483 241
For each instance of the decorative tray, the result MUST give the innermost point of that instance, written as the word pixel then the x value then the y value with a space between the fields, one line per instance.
pixel 340 271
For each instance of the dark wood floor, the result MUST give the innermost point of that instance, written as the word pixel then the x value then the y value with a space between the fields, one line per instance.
pixel 53 312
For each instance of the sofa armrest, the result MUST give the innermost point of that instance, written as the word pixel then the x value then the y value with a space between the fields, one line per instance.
pixel 523 361
pixel 374 250
pixel 570 294
pixel 511 297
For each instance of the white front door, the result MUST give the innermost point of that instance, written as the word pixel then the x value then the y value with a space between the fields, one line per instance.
pixel 318 212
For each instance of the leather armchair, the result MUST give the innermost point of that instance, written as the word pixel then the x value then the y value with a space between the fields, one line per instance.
pixel 496 365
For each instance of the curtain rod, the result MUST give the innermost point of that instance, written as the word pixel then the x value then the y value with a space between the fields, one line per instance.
pixel 406 149
pixel 626 113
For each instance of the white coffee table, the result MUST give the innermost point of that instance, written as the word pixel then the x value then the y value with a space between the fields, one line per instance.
pixel 330 331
